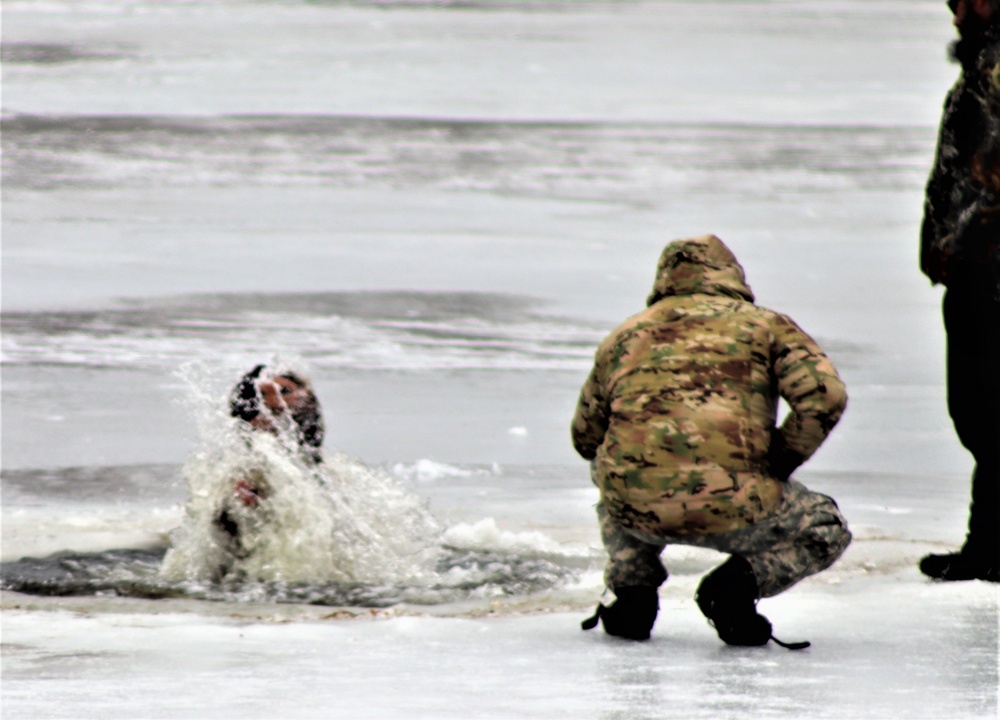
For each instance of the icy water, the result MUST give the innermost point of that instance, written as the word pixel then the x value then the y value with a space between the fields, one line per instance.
pixel 439 209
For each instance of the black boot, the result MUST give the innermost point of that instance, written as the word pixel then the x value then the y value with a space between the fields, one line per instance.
pixel 728 598
pixel 960 566
pixel 631 616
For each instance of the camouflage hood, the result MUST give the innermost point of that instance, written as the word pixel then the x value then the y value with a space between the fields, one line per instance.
pixel 699 265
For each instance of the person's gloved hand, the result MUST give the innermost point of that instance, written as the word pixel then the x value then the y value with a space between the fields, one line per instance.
pixel 782 461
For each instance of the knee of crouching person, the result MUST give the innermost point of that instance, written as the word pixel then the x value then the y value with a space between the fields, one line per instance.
pixel 828 541
pixel 842 539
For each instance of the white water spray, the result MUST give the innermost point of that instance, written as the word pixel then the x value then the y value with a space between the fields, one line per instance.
pixel 336 521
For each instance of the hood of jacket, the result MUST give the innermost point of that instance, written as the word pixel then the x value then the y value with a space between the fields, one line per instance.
pixel 699 265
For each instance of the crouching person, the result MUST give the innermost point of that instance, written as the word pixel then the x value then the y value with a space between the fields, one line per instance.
pixel 678 419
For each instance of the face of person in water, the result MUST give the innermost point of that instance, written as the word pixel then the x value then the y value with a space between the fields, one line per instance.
pixel 281 395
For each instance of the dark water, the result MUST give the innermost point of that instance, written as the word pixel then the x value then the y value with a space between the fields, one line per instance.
pixel 79 497
pixel 460 575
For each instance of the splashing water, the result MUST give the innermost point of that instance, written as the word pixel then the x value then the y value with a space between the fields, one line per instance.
pixel 332 532
pixel 335 521
pixel 333 527
pixel 342 533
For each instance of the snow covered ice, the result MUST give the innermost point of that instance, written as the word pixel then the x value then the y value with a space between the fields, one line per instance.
pixel 441 208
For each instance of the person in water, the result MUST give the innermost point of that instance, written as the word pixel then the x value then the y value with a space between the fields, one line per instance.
pixel 268 505
pixel 282 403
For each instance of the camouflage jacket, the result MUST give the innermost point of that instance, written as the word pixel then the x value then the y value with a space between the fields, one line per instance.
pixel 679 410
pixel 960 236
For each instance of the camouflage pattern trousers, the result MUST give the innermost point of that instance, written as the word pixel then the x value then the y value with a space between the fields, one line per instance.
pixel 805 534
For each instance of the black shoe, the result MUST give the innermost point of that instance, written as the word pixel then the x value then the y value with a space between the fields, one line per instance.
pixel 728 598
pixel 960 566
pixel 631 616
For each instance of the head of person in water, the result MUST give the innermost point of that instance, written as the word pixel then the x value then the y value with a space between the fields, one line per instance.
pixel 268 400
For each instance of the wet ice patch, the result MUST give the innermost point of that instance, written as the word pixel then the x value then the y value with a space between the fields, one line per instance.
pixel 28 53
pixel 621 161
pixel 368 330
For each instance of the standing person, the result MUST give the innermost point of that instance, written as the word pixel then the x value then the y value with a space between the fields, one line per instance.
pixel 678 420
pixel 960 248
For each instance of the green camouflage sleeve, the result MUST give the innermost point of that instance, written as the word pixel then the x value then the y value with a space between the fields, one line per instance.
pixel 809 383
pixel 590 422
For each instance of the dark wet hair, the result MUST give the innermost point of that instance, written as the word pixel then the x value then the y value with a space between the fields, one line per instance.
pixel 308 419
pixel 245 404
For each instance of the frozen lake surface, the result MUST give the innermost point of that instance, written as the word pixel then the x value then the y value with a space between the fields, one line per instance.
pixel 440 208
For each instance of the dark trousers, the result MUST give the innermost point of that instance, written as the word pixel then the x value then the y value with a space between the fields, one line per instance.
pixel 972 323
